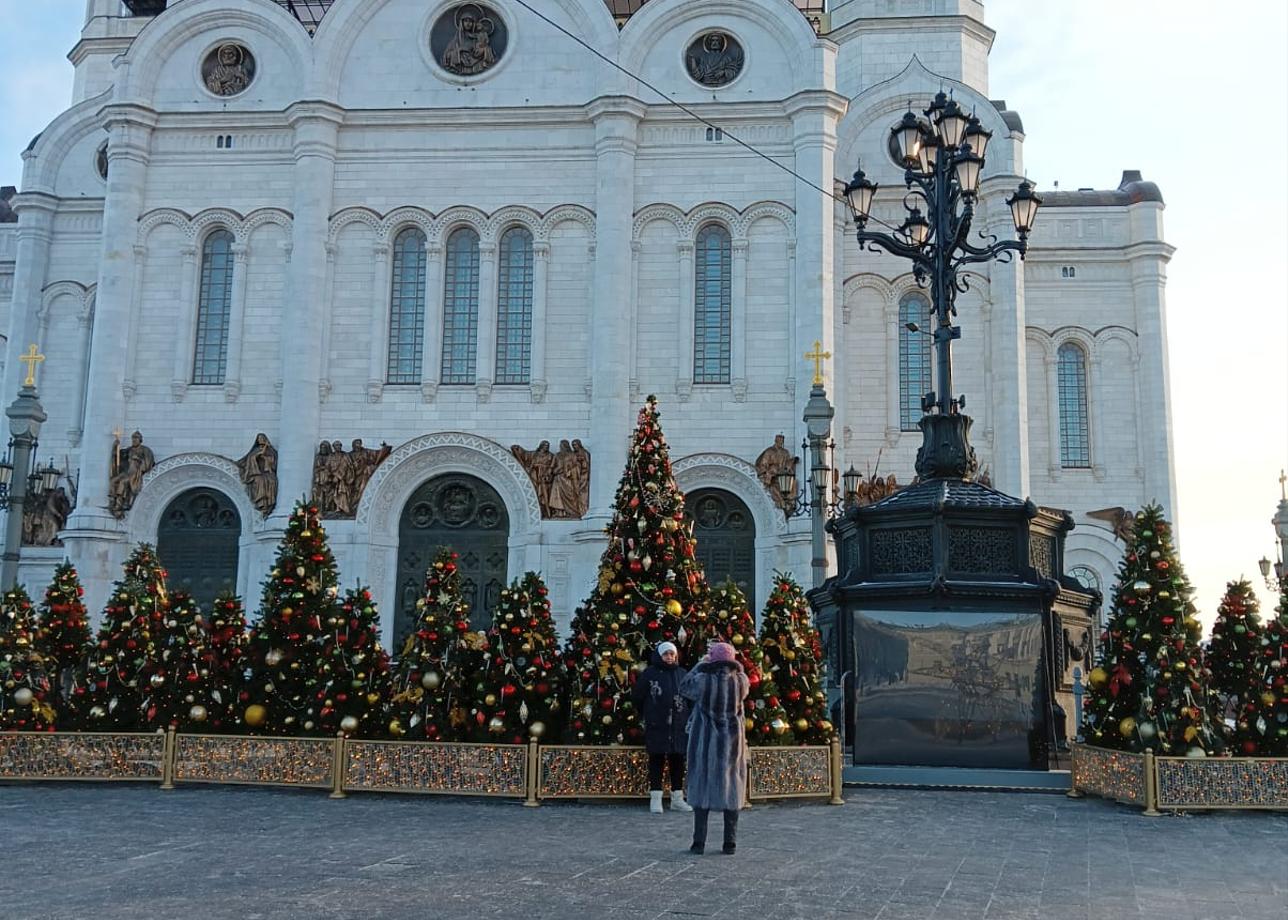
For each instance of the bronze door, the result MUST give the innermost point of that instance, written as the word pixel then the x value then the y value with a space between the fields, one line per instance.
pixel 466 514
pixel 726 536
pixel 197 544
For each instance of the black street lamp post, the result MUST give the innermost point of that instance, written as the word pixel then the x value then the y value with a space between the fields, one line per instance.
pixel 943 157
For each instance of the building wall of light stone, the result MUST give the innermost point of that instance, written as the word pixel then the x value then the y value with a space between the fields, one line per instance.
pixel 351 135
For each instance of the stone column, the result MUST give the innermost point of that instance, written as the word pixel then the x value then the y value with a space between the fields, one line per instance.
pixel 31 266
pixel 1010 410
pixel 236 322
pixel 328 297
pixel 84 329
pixel 738 320
pixel 381 296
pixel 316 127
pixel 894 423
pixel 485 365
pixel 1051 370
pixel 93 537
pixel 537 357
pixel 431 360
pixel 1095 396
pixel 185 329
pixel 814 116
pixel 616 120
pixel 684 328
pixel 128 384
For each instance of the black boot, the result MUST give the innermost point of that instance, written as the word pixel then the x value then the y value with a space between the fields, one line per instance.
pixel 699 844
pixel 730 833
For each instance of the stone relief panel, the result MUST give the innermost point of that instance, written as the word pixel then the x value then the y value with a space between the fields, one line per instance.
pixel 228 69
pixel 468 39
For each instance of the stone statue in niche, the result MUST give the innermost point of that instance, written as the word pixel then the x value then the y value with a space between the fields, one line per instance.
pixel 468 39
pixel 125 475
pixel 714 59
pixel 561 481
pixel 228 69
pixel 44 516
pixel 339 478
pixel 259 474
pixel 775 459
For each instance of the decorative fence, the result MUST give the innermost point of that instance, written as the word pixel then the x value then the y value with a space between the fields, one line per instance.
pixel 1180 783
pixel 530 772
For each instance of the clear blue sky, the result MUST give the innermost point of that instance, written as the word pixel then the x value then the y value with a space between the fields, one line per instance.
pixel 1191 94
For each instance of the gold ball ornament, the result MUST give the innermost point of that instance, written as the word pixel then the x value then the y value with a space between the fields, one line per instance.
pixel 348 725
pixel 607 720
pixel 255 715
pixel 197 713
pixel 1098 678
pixel 674 607
pixel 1126 727
pixel 396 729
pixel 23 696
pixel 802 725
pixel 373 699
pixel 825 725
pixel 490 699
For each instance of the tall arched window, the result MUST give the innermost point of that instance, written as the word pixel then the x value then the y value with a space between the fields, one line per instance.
pixel 461 307
pixel 914 360
pixel 407 307
pixel 712 311
pixel 514 308
pixel 214 308
pixel 1075 446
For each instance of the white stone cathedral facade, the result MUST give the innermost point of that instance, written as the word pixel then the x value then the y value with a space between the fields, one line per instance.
pixel 450 228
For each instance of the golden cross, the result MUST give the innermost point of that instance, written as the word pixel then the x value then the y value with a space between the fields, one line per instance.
pixel 116 443
pixel 31 359
pixel 818 356
pixel 1282 480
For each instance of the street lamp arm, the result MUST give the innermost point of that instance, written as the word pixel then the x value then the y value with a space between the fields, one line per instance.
pixel 876 242
pixel 999 251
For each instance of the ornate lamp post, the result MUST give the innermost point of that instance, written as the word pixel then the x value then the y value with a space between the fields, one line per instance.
pixel 16 478
pixel 1275 582
pixel 943 157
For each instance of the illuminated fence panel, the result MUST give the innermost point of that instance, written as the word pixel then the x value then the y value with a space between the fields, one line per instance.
pixel 1111 774
pixel 86 755
pixel 255 761
pixel 789 772
pixel 459 769
pixel 1218 782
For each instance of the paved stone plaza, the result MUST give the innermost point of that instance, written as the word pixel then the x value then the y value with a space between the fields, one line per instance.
pixel 121 851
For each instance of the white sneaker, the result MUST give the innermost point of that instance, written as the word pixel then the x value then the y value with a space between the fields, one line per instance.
pixel 677 801
pixel 655 802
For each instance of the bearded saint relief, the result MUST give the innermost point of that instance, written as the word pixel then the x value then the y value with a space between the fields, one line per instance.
pixel 228 69
pixel 468 39
pixel 714 59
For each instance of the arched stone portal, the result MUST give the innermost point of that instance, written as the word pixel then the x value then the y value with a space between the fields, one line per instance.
pixel 468 515
pixel 198 541
pixel 726 535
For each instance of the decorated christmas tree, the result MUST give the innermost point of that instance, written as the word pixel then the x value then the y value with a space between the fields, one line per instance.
pixel 182 691
pixel 792 667
pixel 26 694
pixel 521 683
pixel 64 635
pixel 728 619
pixel 228 640
pixel 285 648
pixel 1231 658
pixel 354 682
pixel 1147 689
pixel 115 671
pixel 427 692
pixel 1263 725
pixel 650 589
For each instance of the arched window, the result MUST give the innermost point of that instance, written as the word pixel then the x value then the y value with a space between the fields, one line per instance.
pixel 1075 447
pixel 461 307
pixel 914 360
pixel 514 308
pixel 407 307
pixel 712 305
pixel 214 309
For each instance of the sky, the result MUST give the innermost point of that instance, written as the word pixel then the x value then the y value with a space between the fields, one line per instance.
pixel 1180 91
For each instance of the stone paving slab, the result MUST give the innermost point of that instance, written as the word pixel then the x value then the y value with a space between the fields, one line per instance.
pixel 111 852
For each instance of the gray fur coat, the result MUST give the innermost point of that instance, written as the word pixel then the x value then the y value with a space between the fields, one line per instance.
pixel 717 756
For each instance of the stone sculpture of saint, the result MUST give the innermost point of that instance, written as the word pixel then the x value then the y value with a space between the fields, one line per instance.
pixel 773 460
pixel 362 465
pixel 716 61
pixel 43 517
pixel 583 468
pixel 230 75
pixel 322 478
pixel 540 467
pixel 259 474
pixel 470 50
pixel 128 467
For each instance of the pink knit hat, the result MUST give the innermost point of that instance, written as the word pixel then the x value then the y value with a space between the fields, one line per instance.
pixel 720 651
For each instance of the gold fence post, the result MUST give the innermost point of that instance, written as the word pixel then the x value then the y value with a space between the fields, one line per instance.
pixel 534 770
pixel 167 759
pixel 1151 785
pixel 1074 792
pixel 337 768
pixel 834 768
pixel 746 787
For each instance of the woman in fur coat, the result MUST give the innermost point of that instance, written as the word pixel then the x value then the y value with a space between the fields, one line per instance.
pixel 717 743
